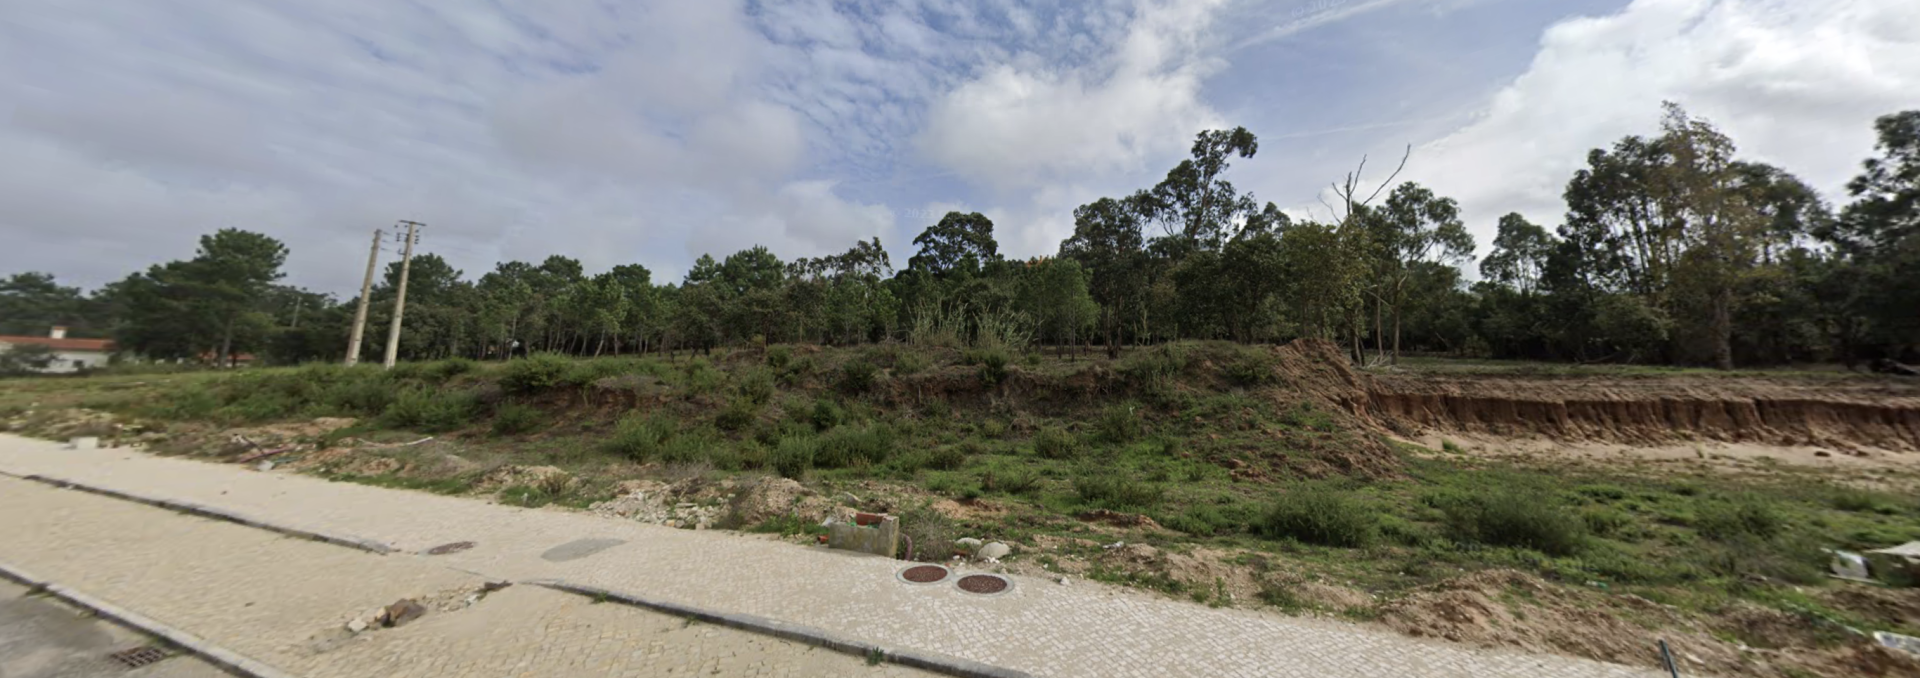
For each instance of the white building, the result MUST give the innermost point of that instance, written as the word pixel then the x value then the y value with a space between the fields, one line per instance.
pixel 69 355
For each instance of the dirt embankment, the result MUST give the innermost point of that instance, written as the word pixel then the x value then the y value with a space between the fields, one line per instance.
pixel 1837 412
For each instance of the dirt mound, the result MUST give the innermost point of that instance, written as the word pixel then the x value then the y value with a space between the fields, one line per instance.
pixel 765 498
pixel 1514 609
pixel 1842 413
pixel 700 502
pixel 524 476
pixel 1320 369
pixel 1506 608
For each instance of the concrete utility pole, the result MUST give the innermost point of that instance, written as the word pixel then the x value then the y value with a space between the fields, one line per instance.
pixel 400 299
pixel 360 314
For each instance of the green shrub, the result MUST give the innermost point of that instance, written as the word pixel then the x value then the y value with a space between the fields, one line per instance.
pixel 193 402
pixel 1520 518
pixel 825 414
pixel 640 437
pixel 1155 364
pixel 795 371
pixel 1116 491
pixel 909 363
pixel 1740 556
pixel 738 414
pixel 1055 443
pixel 536 373
pixel 511 418
pixel 1602 492
pixel 1741 516
pixel 947 458
pixel 855 446
pixel 749 454
pixel 992 362
pixel 1856 500
pixel 1251 367
pixel 1401 531
pixel 1200 520
pixel 794 457
pixel 1117 425
pixel 930 532
pixel 361 396
pixel 1320 515
pixel 448 369
pixel 691 446
pixel 1011 480
pixel 1605 522
pixel 757 386
pixel 430 410
pixel 856 376
pixel 778 357
pixel 699 378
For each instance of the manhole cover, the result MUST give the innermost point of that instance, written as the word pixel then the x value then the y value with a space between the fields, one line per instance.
pixel 445 549
pixel 923 574
pixel 139 656
pixel 984 583
pixel 579 548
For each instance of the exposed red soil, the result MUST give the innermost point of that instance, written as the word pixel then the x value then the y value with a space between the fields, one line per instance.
pixel 1882 413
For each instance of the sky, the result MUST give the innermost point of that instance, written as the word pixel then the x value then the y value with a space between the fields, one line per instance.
pixel 653 132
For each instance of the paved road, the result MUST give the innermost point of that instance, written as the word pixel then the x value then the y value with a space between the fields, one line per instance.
pixel 284 602
pixel 1038 626
pixel 40 637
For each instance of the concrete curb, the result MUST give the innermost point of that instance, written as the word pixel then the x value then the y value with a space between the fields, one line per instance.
pixel 228 660
pixel 928 661
pixel 367 545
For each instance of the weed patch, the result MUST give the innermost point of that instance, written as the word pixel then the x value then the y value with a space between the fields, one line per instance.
pixel 1321 515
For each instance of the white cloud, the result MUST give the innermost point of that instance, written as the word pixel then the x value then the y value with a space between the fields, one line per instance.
pixel 1015 125
pixel 1796 84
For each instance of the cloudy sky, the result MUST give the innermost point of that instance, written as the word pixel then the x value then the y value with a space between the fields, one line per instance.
pixel 650 132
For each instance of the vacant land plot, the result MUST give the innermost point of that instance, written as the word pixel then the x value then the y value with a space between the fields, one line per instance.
pixel 1588 512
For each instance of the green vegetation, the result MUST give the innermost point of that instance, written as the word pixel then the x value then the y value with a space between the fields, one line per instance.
pixel 1321 515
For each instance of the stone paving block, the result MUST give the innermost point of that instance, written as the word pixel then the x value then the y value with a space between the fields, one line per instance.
pixel 1038 627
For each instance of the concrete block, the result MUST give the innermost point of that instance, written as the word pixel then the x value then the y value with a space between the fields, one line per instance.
pixel 881 538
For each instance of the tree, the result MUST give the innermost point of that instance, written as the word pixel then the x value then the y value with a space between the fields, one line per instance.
pixel 209 304
pixel 1413 227
pixel 1520 251
pixel 1324 266
pixel 1107 242
pixel 32 303
pixel 1873 286
pixel 1195 204
pixel 25 359
pixel 960 245
pixel 1053 292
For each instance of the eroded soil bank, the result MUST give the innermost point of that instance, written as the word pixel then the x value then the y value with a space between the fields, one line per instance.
pixel 1846 414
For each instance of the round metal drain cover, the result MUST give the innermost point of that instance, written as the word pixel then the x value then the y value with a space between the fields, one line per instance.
pixel 924 574
pixel 984 584
pixel 445 549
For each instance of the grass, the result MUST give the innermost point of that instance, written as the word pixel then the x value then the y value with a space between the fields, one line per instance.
pixel 1504 516
pixel 1321 515
pixel 1156 437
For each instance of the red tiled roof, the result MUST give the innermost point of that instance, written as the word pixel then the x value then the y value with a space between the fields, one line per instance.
pixel 97 345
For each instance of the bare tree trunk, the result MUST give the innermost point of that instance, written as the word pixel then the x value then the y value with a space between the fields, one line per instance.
pixel 225 359
pixel 1396 336
pixel 1723 328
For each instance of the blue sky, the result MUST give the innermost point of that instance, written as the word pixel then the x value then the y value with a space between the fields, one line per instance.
pixel 650 132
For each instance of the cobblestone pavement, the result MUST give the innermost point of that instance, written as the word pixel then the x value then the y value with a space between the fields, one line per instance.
pixel 284 602
pixel 41 637
pixel 1039 626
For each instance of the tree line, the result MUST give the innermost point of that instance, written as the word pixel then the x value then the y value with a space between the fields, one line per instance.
pixel 1673 250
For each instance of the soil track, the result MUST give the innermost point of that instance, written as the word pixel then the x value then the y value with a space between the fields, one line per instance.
pixel 1845 413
